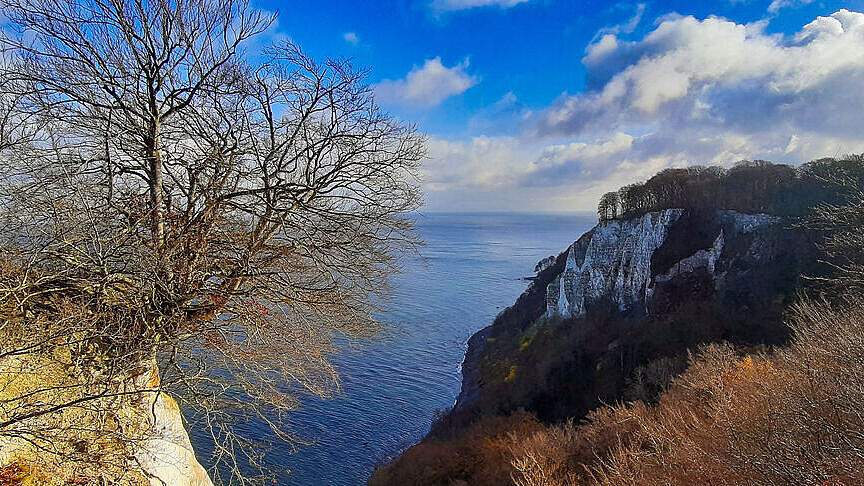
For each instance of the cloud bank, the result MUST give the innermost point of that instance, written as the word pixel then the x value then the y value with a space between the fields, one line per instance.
pixel 692 91
pixel 719 74
pixel 426 86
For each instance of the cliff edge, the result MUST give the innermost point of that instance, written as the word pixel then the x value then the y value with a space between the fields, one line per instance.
pixel 134 435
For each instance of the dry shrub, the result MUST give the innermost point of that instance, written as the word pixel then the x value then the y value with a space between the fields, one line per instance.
pixel 557 455
pixel 541 458
pixel 13 474
pixel 477 456
pixel 793 417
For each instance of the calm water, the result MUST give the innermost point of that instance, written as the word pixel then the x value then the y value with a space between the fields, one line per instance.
pixel 471 268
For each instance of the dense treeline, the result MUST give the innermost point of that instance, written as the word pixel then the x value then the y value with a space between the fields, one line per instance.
pixel 750 187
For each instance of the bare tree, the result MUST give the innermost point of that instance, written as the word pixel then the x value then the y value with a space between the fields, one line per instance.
pixel 608 207
pixel 229 217
pixel 843 242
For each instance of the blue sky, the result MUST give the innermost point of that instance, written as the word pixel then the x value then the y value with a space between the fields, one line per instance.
pixel 542 105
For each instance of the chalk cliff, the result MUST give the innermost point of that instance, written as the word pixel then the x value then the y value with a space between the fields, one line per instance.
pixel 676 277
pixel 614 262
pixel 166 454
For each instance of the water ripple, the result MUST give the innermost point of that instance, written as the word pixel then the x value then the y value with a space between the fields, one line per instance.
pixel 471 268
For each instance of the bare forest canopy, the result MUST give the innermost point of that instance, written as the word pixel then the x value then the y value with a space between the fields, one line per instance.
pixel 749 187
pixel 167 197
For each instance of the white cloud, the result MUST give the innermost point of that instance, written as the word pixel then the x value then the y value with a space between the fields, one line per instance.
pixel 579 162
pixel 351 38
pixel 722 75
pixel 426 86
pixel 625 28
pixel 690 92
pixel 483 174
pixel 479 163
pixel 519 174
pixel 776 5
pixel 451 5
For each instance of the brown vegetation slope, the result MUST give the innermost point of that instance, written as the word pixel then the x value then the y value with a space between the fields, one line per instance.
pixel 734 417
pixel 792 417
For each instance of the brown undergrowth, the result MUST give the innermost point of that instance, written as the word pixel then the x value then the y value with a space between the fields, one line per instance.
pixel 795 416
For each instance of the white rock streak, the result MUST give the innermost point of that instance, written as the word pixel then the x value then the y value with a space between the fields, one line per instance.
pixel 615 261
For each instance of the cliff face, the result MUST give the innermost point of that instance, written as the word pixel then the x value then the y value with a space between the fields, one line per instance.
pixel 615 262
pixel 625 294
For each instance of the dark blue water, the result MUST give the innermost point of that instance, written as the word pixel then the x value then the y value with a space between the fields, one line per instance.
pixel 471 268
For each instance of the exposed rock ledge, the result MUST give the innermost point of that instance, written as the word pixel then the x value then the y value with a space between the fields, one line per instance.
pixel 166 455
pixel 164 452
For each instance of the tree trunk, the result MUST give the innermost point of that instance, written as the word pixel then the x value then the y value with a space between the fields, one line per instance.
pixel 156 195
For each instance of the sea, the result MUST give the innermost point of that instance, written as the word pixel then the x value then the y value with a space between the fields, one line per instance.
pixel 471 267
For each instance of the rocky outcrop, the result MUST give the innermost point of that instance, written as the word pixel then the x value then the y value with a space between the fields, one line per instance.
pixel 544 264
pixel 166 454
pixel 136 435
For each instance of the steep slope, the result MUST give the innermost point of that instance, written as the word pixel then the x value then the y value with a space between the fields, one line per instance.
pixel 627 293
